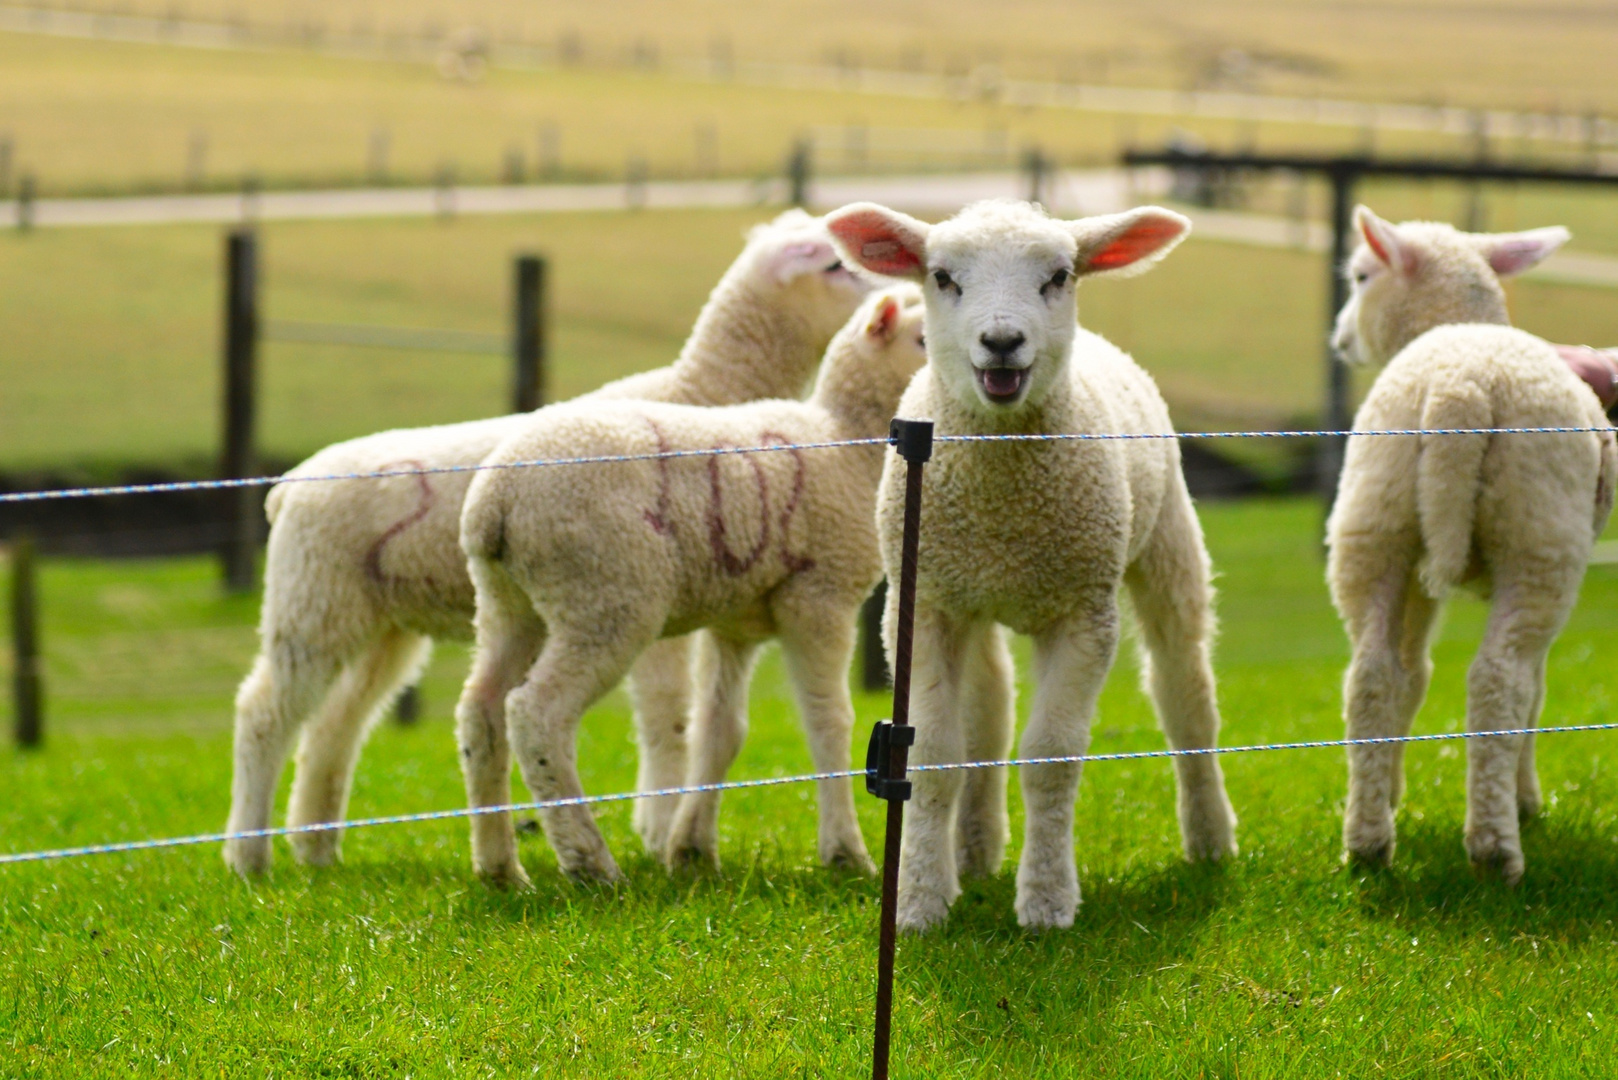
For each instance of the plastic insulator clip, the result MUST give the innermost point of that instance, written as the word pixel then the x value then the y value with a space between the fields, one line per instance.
pixel 912 438
pixel 879 758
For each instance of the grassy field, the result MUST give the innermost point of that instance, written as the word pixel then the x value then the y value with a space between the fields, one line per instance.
pixel 111 335
pixel 95 116
pixel 1489 52
pixel 1279 965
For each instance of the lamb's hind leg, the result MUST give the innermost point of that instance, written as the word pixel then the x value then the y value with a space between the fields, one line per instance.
pixel 585 655
pixel 817 641
pixel 1174 606
pixel 1529 800
pixel 1389 620
pixel 719 725
pixel 988 709
pixel 660 690
pixel 330 745
pixel 1505 685
pixel 284 685
pixel 509 638
pixel 1071 661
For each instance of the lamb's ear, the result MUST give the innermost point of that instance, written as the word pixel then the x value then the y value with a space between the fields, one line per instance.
pixel 1512 253
pixel 802 257
pixel 880 240
pixel 1129 243
pixel 1383 238
pixel 884 319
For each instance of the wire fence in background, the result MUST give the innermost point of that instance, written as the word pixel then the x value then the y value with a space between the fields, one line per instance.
pixel 667 455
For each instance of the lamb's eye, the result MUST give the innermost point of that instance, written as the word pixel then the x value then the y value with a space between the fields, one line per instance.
pixel 1058 279
pixel 945 282
pixel 1361 277
pixel 834 267
pixel 921 340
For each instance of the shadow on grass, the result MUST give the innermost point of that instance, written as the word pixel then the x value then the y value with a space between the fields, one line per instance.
pixel 1570 888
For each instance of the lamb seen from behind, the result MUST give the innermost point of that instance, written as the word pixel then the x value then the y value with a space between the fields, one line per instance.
pixel 580 569
pixel 1513 516
pixel 1038 537
pixel 361 575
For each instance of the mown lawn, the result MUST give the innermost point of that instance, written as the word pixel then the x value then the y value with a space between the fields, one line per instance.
pixel 398 963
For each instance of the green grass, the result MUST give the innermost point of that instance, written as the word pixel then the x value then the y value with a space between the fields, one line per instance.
pixel 397 963
pixel 111 335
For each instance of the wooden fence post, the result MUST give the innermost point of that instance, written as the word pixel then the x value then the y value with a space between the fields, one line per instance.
pixel 240 458
pixel 529 332
pixel 25 644
pixel 799 165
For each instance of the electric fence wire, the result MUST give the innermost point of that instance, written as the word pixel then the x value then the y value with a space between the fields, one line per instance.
pixel 715 451
pixel 773 781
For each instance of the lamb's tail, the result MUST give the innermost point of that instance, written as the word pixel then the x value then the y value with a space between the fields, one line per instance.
pixel 1449 474
pixel 272 502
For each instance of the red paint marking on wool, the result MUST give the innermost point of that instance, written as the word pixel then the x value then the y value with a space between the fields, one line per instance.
pixel 658 517
pixel 425 498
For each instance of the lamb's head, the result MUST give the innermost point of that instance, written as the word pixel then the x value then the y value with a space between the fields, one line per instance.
pixel 1406 279
pixel 873 358
pixel 791 267
pixel 998 280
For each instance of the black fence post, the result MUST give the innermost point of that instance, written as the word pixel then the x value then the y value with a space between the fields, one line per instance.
pixel 798 169
pixel 240 457
pixel 25 644
pixel 914 441
pixel 873 660
pixel 25 202
pixel 529 326
pixel 407 709
pixel 1037 170
pixel 1337 416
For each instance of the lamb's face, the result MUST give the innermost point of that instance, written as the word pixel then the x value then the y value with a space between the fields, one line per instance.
pixel 998 279
pixel 999 291
pixel 798 270
pixel 1406 279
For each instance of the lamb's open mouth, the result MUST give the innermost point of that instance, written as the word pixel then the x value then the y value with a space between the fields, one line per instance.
pixel 1002 384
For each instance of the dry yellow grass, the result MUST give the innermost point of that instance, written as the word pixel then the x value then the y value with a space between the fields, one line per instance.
pixel 1494 52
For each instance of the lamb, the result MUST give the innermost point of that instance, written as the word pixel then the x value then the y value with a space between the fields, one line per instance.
pixel 1036 537
pixel 1513 516
pixel 774 544
pixel 361 575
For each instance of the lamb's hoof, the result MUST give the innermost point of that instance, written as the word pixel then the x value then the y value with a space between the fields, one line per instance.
pixel 505 877
pixel 249 858
pixel 978 857
pixel 920 912
pixel 317 849
pixel 1493 860
pixel 594 868
pixel 1046 909
pixel 849 857
pixel 1377 856
pixel 690 856
pixel 1213 846
pixel 1529 806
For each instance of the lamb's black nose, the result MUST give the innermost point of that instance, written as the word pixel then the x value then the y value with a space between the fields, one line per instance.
pixel 1003 345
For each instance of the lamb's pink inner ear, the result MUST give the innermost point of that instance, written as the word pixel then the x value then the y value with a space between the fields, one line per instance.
pixel 885 319
pixel 879 247
pixel 1135 243
pixel 1385 245
pixel 1515 254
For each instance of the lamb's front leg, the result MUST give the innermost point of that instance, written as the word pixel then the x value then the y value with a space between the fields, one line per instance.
pixel 988 720
pixel 724 668
pixel 929 880
pixel 660 690
pixel 818 645
pixel 1071 661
